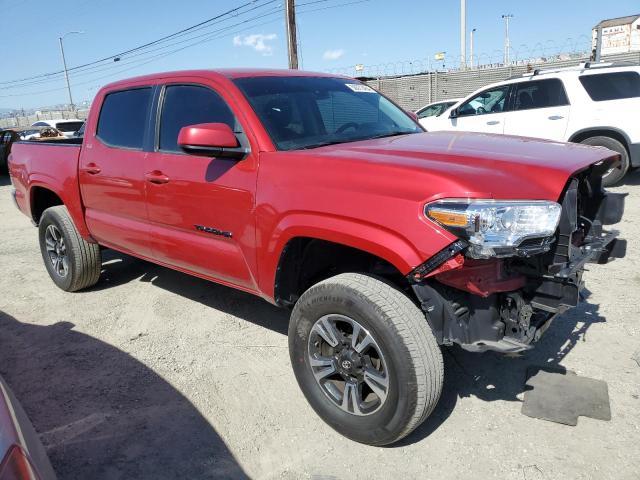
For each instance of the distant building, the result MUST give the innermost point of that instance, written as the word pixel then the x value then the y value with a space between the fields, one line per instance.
pixel 619 35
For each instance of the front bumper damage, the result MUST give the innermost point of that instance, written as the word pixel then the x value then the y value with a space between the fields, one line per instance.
pixel 507 304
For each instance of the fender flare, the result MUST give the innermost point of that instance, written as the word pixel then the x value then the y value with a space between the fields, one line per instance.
pixel 374 239
pixel 75 212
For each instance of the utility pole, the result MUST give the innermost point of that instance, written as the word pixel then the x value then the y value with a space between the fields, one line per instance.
pixel 290 22
pixel 66 73
pixel 463 34
pixel 471 47
pixel 507 43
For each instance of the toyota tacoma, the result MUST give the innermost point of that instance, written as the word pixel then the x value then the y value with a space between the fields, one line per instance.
pixel 321 195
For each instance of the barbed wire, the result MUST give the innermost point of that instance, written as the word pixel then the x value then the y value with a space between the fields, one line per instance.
pixel 541 52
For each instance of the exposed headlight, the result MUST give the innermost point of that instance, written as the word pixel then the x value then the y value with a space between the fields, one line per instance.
pixel 496 228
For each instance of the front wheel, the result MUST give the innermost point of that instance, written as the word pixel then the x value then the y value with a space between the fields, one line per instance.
pixel 365 358
pixel 72 262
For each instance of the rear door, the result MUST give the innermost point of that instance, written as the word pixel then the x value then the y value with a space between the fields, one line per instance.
pixel 540 110
pixel 201 208
pixel 482 113
pixel 112 168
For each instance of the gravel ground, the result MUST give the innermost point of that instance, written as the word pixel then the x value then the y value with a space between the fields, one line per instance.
pixel 155 374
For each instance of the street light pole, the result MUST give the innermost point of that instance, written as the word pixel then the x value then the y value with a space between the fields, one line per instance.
pixel 471 47
pixel 463 34
pixel 507 42
pixel 66 73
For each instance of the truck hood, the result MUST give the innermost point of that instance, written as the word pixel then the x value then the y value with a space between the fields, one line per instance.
pixel 468 164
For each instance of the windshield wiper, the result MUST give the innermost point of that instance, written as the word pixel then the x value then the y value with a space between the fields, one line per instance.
pixel 323 144
pixel 390 134
pixel 348 140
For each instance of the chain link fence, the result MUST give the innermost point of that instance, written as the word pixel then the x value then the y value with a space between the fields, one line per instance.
pixel 412 92
pixel 19 120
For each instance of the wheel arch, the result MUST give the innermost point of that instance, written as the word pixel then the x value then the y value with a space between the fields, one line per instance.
pixel 40 198
pixel 611 132
pixel 308 257
pixel 42 195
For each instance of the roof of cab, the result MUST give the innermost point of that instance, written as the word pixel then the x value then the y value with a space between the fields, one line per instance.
pixel 228 73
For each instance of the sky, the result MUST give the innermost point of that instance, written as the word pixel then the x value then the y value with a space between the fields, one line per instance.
pixel 333 35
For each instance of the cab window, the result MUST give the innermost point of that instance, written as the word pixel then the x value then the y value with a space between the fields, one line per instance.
pixel 123 118
pixel 489 101
pixel 186 105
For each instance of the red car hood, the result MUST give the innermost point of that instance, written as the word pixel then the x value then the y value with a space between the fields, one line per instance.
pixel 471 164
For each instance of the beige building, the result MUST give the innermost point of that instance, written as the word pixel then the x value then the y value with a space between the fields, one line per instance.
pixel 619 35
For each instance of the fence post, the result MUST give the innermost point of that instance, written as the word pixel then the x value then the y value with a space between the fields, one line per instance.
pixel 435 96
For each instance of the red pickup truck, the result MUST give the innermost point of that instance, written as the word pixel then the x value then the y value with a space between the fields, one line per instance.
pixel 319 194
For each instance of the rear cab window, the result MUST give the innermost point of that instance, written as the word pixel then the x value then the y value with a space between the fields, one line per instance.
pixel 123 118
pixel 611 86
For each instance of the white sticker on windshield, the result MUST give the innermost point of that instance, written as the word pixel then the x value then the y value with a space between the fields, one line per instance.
pixel 360 88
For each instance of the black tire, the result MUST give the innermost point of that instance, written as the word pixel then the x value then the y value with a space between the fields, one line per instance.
pixel 83 259
pixel 414 359
pixel 615 175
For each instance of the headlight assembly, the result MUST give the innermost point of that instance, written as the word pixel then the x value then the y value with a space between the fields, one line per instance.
pixel 496 228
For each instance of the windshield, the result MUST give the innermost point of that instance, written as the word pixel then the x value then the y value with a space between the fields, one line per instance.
pixel 309 112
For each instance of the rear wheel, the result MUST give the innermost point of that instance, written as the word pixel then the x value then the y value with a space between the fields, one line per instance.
pixel 365 358
pixel 617 173
pixel 72 262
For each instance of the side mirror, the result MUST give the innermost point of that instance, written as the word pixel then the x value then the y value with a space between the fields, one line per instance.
pixel 214 139
pixel 413 115
pixel 454 113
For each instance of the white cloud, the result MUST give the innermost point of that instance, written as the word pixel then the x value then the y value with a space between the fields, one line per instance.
pixel 333 54
pixel 257 41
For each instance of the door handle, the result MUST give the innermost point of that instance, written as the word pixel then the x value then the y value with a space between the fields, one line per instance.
pixel 156 177
pixel 493 122
pixel 556 117
pixel 92 169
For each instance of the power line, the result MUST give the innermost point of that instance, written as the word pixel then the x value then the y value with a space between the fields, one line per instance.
pixel 88 69
pixel 207 37
pixel 161 39
pixel 94 66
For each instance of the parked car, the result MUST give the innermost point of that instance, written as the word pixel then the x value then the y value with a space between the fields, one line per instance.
pixel 592 104
pixel 22 456
pixel 7 137
pixel 320 195
pixel 434 110
pixel 66 126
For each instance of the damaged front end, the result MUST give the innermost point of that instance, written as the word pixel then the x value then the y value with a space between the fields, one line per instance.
pixel 506 299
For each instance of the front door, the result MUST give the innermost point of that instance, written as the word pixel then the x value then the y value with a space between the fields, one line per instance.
pixel 201 209
pixel 482 113
pixel 111 171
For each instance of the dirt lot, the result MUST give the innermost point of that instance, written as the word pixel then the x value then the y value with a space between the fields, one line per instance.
pixel 154 374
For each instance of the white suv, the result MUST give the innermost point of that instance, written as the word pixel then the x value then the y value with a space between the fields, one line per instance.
pixel 594 104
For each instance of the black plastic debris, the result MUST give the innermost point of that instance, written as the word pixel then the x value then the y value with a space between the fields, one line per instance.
pixel 561 396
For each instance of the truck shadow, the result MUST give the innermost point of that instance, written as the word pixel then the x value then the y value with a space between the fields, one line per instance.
pixel 487 376
pixel 103 414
